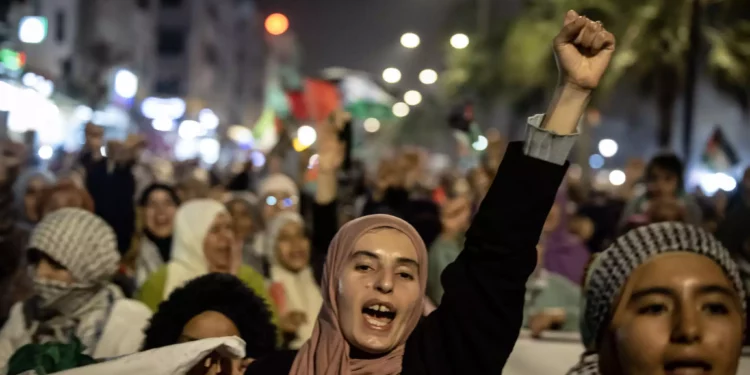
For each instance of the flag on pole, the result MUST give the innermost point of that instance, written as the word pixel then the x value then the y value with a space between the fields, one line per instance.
pixel 719 155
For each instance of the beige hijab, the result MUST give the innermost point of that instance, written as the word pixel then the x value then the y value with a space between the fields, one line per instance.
pixel 327 352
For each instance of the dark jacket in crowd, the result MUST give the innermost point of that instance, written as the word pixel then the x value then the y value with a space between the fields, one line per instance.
pixel 476 326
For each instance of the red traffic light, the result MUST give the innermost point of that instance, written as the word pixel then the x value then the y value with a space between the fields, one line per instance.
pixel 277 24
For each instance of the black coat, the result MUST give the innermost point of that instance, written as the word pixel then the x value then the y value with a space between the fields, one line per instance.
pixel 478 322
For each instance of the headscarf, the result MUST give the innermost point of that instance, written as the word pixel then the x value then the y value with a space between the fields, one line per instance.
pixel 163 244
pixel 87 247
pixel 278 182
pixel 609 272
pixel 19 192
pixel 565 254
pixel 327 351
pixel 191 224
pixel 301 291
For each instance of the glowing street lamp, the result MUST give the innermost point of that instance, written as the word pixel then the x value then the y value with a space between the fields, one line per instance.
pixel 277 24
pixel 428 76
pixel 410 40
pixel 412 97
pixel 459 41
pixel 371 125
pixel 401 109
pixel 391 75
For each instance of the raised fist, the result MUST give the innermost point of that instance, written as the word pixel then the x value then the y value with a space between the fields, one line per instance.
pixel 583 49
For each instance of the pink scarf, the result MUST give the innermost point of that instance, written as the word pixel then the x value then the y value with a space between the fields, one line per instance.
pixel 327 352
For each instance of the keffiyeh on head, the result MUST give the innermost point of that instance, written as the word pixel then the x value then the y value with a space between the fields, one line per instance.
pixel 610 271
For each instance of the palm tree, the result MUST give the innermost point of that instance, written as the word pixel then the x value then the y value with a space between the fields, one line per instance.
pixel 654 43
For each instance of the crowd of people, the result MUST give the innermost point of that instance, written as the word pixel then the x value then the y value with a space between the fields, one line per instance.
pixel 107 257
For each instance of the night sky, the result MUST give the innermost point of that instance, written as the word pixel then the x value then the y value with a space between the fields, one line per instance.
pixel 364 34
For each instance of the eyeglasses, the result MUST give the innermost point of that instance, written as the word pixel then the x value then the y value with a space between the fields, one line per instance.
pixel 281 201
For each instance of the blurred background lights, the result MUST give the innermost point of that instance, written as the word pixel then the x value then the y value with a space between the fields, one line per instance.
pixel 162 124
pixel 410 40
pixel 371 125
pixel 607 148
pixel 713 182
pixel 480 144
pixel 32 29
pixel 45 152
pixel 391 75
pixel 189 129
pixel 208 119
pixel 306 135
pixel 126 84
pixel 428 76
pixel 277 24
pixel 413 97
pixel 258 158
pixel 617 177
pixel 209 149
pixel 401 109
pixel 83 113
pixel 103 151
pixel 459 41
pixel 596 161
pixel 240 134
pixel 173 108
pixel 313 161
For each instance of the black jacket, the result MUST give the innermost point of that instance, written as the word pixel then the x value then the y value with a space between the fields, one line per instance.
pixel 477 324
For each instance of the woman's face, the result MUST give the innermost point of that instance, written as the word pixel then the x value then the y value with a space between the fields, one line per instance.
pixel 159 212
pixel 378 291
pixel 244 226
pixel 678 314
pixel 278 201
pixel 47 270
pixel 293 247
pixel 218 244
pixel 31 198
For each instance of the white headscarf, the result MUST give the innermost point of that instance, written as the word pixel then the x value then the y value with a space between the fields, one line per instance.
pixel 278 182
pixel 301 290
pixel 191 224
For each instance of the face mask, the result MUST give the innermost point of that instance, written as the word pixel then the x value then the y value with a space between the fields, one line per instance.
pixel 59 296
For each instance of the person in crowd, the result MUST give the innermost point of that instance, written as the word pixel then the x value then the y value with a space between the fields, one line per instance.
pixel 664 298
pixel 64 194
pixel 455 218
pixel 552 301
pixel 565 253
pixel 279 193
pixel 191 188
pixel 203 243
pixel 14 281
pixel 214 305
pixel 158 205
pixel 289 251
pixel 28 189
pixel 247 223
pixel 74 255
pixel 664 181
pixel 376 271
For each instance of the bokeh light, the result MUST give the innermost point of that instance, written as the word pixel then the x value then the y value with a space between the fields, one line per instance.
pixel 428 76
pixel 391 75
pixel 459 41
pixel 277 24
pixel 410 40
pixel 617 177
pixel 371 125
pixel 401 109
pixel 412 97
pixel 608 148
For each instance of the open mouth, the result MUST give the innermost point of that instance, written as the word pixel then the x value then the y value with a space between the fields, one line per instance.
pixel 379 315
pixel 687 367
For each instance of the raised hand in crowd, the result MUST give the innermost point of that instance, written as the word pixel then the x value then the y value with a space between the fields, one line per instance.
pixel 331 155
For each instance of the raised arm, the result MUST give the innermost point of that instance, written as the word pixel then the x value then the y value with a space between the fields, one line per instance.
pixel 476 326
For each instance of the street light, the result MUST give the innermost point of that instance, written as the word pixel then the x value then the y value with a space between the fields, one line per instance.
pixel 277 24
pixel 400 109
pixel 608 148
pixel 126 84
pixel 410 40
pixel 459 41
pixel 371 125
pixel 428 76
pixel 391 75
pixel 32 29
pixel 413 97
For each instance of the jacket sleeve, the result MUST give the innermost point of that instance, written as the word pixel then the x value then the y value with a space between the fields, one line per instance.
pixel 480 316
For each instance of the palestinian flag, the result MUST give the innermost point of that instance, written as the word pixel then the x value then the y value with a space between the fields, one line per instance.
pixel 363 98
pixel 719 155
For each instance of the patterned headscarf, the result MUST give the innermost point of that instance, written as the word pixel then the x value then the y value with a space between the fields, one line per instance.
pixel 610 271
